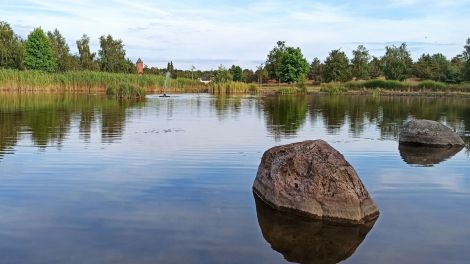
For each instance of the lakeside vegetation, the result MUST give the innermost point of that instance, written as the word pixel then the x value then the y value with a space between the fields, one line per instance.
pixel 44 62
pixel 89 81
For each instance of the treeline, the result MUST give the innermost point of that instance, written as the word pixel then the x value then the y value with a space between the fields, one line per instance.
pixel 287 64
pixel 50 52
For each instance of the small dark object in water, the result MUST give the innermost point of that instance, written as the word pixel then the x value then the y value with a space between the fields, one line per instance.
pixel 164 95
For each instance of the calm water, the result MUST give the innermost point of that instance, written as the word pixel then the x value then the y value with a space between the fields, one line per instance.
pixel 88 180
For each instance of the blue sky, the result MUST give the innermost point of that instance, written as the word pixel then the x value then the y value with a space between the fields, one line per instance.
pixel 207 33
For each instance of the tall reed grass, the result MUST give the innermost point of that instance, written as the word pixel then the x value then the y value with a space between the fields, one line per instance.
pixel 125 91
pixel 88 81
pixel 233 88
pixel 422 86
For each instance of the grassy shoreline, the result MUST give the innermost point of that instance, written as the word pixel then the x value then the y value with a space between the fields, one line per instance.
pixel 88 81
pixel 97 82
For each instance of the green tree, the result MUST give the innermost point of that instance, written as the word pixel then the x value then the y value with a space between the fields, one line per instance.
pixel 466 58
pixel 112 56
pixel 433 67
pixel 236 72
pixel 222 75
pixel 11 48
pixel 316 68
pixel 261 74
pixel 65 61
pixel 397 62
pixel 86 57
pixel 375 67
pixel 360 63
pixel 38 52
pixel 274 58
pixel 337 67
pixel 292 67
pixel 248 76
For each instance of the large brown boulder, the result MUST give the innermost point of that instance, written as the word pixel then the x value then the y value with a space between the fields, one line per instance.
pixel 429 133
pixel 313 179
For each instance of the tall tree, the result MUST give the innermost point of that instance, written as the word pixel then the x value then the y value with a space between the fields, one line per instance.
pixel 315 70
pixel 360 63
pixel 466 58
pixel 337 67
pixel 236 72
pixel 112 56
pixel 248 76
pixel 61 51
pixel 397 62
pixel 11 48
pixel 86 57
pixel 375 67
pixel 274 58
pixel 261 74
pixel 292 67
pixel 38 52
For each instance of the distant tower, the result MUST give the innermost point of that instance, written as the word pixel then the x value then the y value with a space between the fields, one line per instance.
pixel 140 67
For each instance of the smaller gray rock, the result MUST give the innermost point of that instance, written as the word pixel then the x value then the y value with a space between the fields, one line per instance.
pixel 429 133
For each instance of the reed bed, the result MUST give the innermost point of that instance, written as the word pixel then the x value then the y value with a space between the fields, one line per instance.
pixel 233 88
pixel 125 91
pixel 409 86
pixel 88 81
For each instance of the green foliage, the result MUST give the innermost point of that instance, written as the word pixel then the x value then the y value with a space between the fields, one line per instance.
pixel 237 73
pixel 375 67
pixel 39 54
pixel 333 88
pixel 315 70
pixel 125 91
pixel 261 74
pixel 248 76
pixel 288 90
pixel 385 84
pixel 274 59
pixel 88 80
pixel 11 48
pixel 336 67
pixel 433 67
pixel 293 67
pixel 86 57
pixel 430 84
pixel 65 61
pixel 397 62
pixel 222 75
pixel 360 63
pixel 112 56
pixel 230 87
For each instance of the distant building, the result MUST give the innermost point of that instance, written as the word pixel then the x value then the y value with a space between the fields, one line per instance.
pixel 140 67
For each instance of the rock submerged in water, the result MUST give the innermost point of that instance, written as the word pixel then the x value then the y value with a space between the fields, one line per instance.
pixel 313 179
pixel 429 133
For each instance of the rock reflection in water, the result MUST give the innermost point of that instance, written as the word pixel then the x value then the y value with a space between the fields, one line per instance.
pixel 426 156
pixel 303 240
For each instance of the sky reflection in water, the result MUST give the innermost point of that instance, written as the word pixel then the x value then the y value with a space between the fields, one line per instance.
pixel 89 180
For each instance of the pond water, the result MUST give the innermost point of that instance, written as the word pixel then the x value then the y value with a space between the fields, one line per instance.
pixel 84 179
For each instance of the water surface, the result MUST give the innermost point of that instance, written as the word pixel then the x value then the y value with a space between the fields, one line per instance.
pixel 84 179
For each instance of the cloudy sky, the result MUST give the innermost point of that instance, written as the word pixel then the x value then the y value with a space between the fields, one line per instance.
pixel 206 33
